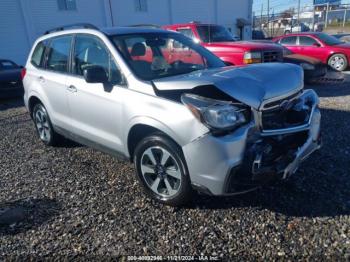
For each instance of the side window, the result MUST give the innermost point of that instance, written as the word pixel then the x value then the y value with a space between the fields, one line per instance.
pixel 90 51
pixel 306 41
pixel 38 54
pixel 291 40
pixel 59 54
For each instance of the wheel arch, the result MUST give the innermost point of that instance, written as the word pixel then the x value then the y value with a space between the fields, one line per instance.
pixel 32 101
pixel 338 53
pixel 140 130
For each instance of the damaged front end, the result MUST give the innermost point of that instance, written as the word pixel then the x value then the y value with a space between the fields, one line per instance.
pixel 288 131
pixel 282 133
pixel 261 127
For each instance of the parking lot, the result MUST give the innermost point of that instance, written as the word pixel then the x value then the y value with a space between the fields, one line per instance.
pixel 73 200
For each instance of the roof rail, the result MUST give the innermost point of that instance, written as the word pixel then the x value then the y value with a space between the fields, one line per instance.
pixel 65 27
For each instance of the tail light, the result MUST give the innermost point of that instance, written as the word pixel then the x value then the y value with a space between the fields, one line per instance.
pixel 23 73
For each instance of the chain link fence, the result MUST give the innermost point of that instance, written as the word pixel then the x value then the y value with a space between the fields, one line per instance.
pixel 332 19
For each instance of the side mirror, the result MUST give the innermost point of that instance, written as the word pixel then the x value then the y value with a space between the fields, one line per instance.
pixel 95 74
pixel 316 45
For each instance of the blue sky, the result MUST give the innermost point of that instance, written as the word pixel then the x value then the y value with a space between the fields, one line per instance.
pixel 280 5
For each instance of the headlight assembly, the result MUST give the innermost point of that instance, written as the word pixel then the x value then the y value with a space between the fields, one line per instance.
pixel 252 57
pixel 215 114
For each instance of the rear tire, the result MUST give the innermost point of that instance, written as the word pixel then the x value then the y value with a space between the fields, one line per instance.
pixel 43 126
pixel 162 171
pixel 338 62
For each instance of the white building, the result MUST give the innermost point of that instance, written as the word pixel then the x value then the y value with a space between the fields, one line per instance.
pixel 22 21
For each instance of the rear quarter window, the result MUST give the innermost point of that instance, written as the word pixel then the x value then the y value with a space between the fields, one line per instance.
pixel 38 54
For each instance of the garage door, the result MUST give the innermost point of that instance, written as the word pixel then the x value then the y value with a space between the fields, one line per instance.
pixel 13 37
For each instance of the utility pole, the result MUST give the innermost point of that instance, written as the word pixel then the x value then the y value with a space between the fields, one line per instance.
pixel 326 22
pixel 268 15
pixel 261 16
pixel 298 12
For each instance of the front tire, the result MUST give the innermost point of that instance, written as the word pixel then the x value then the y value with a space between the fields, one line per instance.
pixel 338 62
pixel 161 169
pixel 43 126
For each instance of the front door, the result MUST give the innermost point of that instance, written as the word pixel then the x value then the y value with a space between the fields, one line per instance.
pixel 96 108
pixel 309 46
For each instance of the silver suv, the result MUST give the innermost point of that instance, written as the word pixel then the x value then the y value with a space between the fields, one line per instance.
pixel 164 102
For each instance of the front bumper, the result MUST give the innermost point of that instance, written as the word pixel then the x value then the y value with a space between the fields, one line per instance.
pixel 250 157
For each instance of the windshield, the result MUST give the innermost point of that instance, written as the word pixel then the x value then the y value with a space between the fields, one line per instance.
pixel 328 39
pixel 214 33
pixel 157 55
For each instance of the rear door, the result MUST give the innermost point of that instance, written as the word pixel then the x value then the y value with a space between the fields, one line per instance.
pixel 96 109
pixel 290 42
pixel 48 73
pixel 309 46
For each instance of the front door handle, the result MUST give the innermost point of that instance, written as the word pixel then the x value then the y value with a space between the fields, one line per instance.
pixel 72 89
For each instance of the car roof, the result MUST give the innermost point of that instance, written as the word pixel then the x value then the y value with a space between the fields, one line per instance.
pixel 301 34
pixel 131 30
pixel 108 31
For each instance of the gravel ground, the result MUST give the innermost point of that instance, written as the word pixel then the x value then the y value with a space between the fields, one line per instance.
pixel 73 200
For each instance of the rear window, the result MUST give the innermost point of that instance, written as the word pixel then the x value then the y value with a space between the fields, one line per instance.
pixel 291 40
pixel 38 54
pixel 214 33
pixel 6 65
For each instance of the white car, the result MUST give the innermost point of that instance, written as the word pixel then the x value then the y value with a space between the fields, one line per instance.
pixel 167 104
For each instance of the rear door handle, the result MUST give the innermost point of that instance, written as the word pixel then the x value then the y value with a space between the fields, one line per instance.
pixel 72 89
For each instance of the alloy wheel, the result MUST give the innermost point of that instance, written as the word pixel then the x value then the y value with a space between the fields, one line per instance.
pixel 42 124
pixel 161 171
pixel 337 62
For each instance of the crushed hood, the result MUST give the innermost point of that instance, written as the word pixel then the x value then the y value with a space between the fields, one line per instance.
pixel 250 85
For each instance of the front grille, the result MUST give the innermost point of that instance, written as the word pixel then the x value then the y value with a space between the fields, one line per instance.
pixel 286 113
pixel 272 56
pixel 281 118
pixel 277 103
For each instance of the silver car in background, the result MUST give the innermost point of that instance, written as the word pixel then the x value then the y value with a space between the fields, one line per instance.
pixel 160 100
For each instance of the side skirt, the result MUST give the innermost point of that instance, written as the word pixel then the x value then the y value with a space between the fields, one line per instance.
pixel 89 143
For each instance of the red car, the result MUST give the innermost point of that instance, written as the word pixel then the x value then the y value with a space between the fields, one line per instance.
pixel 222 43
pixel 324 47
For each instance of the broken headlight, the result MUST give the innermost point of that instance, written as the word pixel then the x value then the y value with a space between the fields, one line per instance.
pixel 215 114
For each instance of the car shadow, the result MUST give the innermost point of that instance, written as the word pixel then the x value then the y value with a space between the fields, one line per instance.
pixel 321 187
pixel 332 85
pixel 11 103
pixel 22 215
